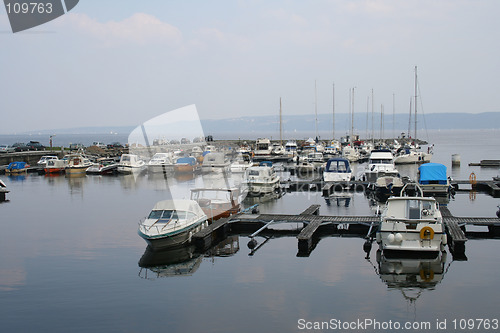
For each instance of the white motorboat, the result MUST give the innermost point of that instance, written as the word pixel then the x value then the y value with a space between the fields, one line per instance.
pixel 55 166
pixel 337 170
pixel 240 164
pixel 262 179
pixel 350 153
pixel 263 148
pixel 3 190
pixel 381 163
pixel 291 149
pixel 161 162
pixel 77 164
pixel 411 225
pixel 130 163
pixel 217 203
pixel 42 162
pixel 411 156
pixel 214 162
pixel 172 223
pixel 103 166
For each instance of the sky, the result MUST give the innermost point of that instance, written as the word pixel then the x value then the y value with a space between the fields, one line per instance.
pixel 120 63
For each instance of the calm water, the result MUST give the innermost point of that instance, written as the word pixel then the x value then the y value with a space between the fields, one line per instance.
pixel 69 262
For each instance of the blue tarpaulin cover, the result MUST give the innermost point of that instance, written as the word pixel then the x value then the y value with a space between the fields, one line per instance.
pixel 432 173
pixel 16 165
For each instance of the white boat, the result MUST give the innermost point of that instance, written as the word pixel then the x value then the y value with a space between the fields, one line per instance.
pixel 42 162
pixel 77 164
pixel 3 190
pixel 103 166
pixel 55 166
pixel 262 179
pixel 214 162
pixel 240 164
pixel 381 163
pixel 387 186
pixel 316 159
pixel 291 149
pixel 411 156
pixel 411 225
pixel 217 203
pixel 172 223
pixel 161 162
pixel 130 163
pixel 263 148
pixel 350 153
pixel 337 170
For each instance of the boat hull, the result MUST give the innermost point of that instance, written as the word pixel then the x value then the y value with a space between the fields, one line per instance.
pixel 172 239
pixel 74 170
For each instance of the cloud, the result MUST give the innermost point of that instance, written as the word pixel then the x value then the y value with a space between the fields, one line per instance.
pixel 140 28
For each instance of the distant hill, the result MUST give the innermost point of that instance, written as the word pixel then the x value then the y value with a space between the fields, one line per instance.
pixel 299 126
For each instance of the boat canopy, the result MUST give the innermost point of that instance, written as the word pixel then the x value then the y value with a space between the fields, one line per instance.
pixel 340 165
pixel 432 173
pixel 266 163
pixel 214 158
pixel 16 165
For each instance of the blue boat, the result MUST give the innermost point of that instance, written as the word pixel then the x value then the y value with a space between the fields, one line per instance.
pixel 433 180
pixel 15 168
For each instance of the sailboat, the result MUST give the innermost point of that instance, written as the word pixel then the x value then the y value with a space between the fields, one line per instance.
pixel 410 154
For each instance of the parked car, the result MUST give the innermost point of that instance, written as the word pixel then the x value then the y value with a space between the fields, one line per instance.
pixel 7 149
pixel 76 146
pixel 99 144
pixel 115 145
pixel 35 145
pixel 18 146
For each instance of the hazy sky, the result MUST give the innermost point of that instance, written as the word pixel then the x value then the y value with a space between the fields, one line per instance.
pixel 123 62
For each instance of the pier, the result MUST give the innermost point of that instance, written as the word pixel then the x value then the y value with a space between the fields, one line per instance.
pixel 310 226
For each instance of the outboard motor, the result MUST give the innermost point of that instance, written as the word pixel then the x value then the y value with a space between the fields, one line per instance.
pixel 498 212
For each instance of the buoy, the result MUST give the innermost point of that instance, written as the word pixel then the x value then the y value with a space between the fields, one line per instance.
pixel 252 244
pixel 367 246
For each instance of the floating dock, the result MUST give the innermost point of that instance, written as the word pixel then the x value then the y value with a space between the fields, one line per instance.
pixel 310 225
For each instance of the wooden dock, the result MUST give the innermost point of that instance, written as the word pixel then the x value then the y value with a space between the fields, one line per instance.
pixel 313 225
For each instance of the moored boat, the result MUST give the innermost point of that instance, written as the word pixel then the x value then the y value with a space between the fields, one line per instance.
pixel 186 165
pixel 131 163
pixel 381 163
pixel 77 164
pixel 217 203
pixel 262 179
pixel 337 170
pixel 433 180
pixel 103 166
pixel 55 166
pixel 161 162
pixel 172 223
pixel 411 225
pixel 15 168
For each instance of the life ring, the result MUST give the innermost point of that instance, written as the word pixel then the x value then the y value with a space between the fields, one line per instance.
pixel 472 178
pixel 427 233
pixel 427 277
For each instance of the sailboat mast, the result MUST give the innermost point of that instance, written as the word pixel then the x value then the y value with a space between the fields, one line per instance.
pixel 373 133
pixel 333 112
pixel 281 127
pixel 394 115
pixel 381 121
pixel 316 109
pixel 409 121
pixel 352 118
pixel 415 102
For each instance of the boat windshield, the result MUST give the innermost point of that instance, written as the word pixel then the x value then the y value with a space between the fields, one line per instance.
pixel 380 161
pixel 169 215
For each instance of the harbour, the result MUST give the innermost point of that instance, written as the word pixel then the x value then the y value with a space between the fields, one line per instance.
pixel 300 250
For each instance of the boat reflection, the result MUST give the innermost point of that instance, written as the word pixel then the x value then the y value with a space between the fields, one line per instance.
pixel 411 275
pixel 182 261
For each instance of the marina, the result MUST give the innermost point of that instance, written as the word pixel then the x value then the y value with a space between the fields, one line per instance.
pixel 318 232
